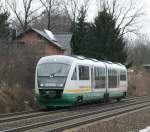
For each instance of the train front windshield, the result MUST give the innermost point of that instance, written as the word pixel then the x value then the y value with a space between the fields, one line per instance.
pixel 52 75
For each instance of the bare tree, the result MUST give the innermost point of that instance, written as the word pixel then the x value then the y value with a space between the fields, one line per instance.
pixel 125 13
pixel 19 65
pixel 73 8
pixel 139 51
pixel 25 16
pixel 3 7
pixel 17 71
pixel 52 10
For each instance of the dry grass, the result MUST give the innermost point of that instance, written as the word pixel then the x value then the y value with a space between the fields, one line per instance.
pixel 17 73
pixel 16 99
pixel 139 83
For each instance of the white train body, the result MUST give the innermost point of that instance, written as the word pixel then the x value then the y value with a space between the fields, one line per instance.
pixel 65 80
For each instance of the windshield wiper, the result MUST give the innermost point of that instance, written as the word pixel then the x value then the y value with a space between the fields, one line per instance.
pixel 43 75
pixel 53 74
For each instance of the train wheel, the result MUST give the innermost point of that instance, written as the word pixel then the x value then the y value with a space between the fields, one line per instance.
pixel 118 99
pixel 79 100
pixel 48 108
pixel 124 94
pixel 106 97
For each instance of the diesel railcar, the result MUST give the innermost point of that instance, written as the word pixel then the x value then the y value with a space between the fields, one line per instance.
pixel 68 80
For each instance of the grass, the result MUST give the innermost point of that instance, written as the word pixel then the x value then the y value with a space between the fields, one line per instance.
pixel 139 83
pixel 16 99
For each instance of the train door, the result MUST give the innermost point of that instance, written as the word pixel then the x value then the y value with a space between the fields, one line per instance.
pixel 84 78
pixel 72 83
pixel 106 80
pixel 92 78
pixel 99 86
pixel 118 78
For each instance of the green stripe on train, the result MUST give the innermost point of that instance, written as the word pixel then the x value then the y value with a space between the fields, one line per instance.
pixel 113 94
pixel 70 99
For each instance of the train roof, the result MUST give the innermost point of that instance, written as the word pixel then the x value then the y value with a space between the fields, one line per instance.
pixel 81 60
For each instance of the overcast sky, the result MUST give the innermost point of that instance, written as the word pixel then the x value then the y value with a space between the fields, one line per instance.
pixel 145 20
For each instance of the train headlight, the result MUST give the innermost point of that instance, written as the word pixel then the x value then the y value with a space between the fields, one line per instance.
pixel 61 85
pixel 41 85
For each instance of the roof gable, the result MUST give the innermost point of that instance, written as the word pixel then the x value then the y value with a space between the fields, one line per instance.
pixel 63 40
pixel 44 35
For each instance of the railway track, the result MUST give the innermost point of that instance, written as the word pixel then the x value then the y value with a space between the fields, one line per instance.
pixel 59 119
pixel 24 114
pixel 28 114
pixel 33 111
pixel 16 113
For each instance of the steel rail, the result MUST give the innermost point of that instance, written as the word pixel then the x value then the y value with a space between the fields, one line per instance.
pixel 33 111
pixel 16 113
pixel 64 119
pixel 32 114
pixel 88 119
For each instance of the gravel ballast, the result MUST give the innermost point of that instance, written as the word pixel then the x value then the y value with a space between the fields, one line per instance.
pixel 130 122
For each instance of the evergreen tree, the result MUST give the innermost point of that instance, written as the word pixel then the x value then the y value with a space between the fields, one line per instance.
pixel 109 44
pixel 101 39
pixel 4 25
pixel 104 40
pixel 79 32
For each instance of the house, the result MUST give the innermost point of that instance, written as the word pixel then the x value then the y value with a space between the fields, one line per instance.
pixel 54 44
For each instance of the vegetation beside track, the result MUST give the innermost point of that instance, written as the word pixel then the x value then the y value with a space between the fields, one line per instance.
pixel 16 99
pixel 139 83
pixel 17 71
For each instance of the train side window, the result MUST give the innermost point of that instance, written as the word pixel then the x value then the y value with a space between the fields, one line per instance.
pixel 109 78
pixel 99 77
pixel 83 73
pixel 97 85
pixel 74 75
pixel 112 78
pixel 102 78
pixel 122 76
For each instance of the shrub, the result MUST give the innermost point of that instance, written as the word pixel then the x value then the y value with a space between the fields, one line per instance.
pixel 17 72
pixel 139 83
